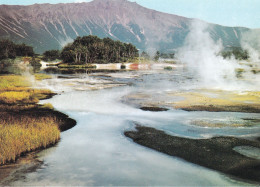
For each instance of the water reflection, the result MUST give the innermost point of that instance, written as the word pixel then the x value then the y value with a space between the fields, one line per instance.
pixel 96 152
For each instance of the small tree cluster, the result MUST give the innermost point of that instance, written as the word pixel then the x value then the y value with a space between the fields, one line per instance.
pixel 238 53
pixel 91 49
pixel 157 55
pixel 145 55
pixel 167 55
pixel 51 55
pixel 8 49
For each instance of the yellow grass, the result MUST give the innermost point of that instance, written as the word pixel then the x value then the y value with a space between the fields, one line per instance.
pixel 220 98
pixel 23 132
pixel 211 124
pixel 19 136
pixel 15 89
pixel 17 97
pixel 47 106
pixel 12 81
pixel 16 107
pixel 22 95
pixel 41 76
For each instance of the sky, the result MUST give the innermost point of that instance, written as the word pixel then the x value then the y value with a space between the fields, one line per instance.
pixel 245 13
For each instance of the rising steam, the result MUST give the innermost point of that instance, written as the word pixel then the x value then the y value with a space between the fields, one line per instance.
pixel 201 56
pixel 251 43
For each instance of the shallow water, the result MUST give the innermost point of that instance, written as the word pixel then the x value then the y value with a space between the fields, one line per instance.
pixel 96 152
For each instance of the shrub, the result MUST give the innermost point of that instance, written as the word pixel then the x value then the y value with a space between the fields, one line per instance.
pixel 168 68
pixel 123 66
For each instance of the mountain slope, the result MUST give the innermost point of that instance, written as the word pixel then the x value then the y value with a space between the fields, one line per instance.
pixel 51 26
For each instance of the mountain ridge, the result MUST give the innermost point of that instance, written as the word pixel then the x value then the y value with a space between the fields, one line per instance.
pixel 51 26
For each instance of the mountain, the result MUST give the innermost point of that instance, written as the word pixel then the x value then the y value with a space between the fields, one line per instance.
pixel 51 26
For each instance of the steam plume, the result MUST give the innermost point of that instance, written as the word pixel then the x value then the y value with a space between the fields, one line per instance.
pixel 201 56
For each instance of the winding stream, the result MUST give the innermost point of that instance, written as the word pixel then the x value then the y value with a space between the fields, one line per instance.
pixel 96 152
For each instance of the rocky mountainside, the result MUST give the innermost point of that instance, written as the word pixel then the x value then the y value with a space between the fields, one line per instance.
pixel 51 26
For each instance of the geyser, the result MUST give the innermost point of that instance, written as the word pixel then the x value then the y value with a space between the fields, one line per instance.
pixel 202 57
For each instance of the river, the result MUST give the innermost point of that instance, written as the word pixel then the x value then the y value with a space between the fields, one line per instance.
pixel 96 152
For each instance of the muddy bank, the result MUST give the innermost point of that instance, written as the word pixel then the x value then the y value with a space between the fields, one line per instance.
pixel 216 153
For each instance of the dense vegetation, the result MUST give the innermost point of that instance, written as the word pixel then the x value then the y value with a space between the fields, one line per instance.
pixel 8 49
pixel 236 52
pixel 91 49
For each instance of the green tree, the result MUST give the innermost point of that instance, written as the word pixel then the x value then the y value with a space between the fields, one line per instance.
pixel 51 55
pixel 67 54
pixel 24 50
pixel 157 56
pixel 8 49
pixel 91 49
pixel 236 52
pixel 145 55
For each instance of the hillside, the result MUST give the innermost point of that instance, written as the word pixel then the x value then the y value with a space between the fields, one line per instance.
pixel 51 26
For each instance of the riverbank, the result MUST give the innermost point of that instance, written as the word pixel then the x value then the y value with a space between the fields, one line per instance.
pixel 25 125
pixel 215 153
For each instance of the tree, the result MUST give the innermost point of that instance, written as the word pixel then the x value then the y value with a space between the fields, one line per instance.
pixel 91 49
pixel 24 50
pixel 157 56
pixel 51 55
pixel 85 54
pixel 237 52
pixel 145 55
pixel 67 54
pixel 8 49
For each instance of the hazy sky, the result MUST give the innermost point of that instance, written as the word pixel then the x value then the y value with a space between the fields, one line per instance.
pixel 225 12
